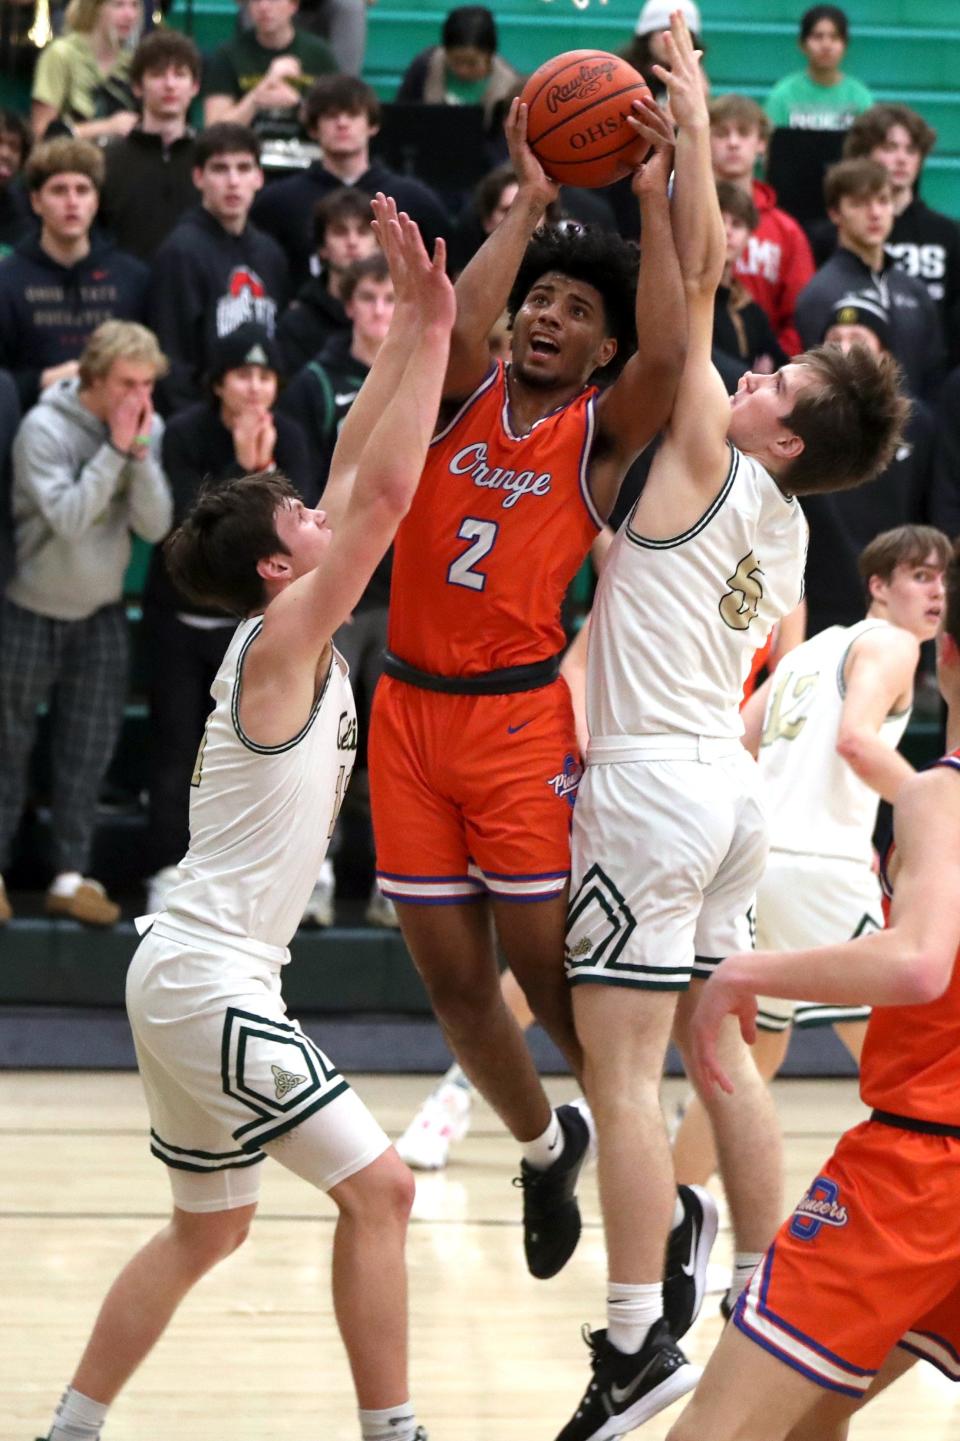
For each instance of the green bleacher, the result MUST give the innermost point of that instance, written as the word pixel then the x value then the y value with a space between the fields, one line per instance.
pixel 906 50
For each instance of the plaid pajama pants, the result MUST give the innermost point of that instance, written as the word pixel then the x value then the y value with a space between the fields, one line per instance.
pixel 80 668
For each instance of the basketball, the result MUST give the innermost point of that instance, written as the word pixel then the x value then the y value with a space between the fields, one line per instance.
pixel 578 105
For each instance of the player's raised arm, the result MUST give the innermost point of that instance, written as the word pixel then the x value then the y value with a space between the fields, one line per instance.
pixel 909 963
pixel 879 681
pixel 639 402
pixel 484 286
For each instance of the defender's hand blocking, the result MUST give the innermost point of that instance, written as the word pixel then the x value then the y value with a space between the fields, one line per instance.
pixel 649 120
pixel 530 174
pixel 683 78
pixel 418 280
pixel 722 996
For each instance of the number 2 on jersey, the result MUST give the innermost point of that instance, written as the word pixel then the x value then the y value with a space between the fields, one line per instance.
pixel 483 533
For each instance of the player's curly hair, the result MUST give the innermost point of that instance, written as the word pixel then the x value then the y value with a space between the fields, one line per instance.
pixel 212 556
pixel 601 259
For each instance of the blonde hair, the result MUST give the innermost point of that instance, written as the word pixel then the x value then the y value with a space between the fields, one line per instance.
pixel 120 340
pixel 64 156
pixel 81 16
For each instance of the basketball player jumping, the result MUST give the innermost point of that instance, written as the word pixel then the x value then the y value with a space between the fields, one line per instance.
pixel 474 764
pixel 862 1279
pixel 229 1078
pixel 669 836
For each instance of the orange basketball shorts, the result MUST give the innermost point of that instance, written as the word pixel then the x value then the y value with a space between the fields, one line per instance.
pixel 870 1259
pixel 472 795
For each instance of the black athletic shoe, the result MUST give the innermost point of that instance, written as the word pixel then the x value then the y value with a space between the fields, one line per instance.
pixel 551 1216
pixel 688 1251
pixel 627 1390
pixel 726 1310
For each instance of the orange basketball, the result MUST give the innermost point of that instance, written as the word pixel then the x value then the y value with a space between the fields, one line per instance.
pixel 578 105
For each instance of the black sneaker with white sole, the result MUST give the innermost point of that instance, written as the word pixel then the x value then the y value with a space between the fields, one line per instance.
pixel 551 1216
pixel 688 1251
pixel 627 1390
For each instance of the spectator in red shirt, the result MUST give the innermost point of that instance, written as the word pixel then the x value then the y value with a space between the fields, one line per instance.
pixel 777 262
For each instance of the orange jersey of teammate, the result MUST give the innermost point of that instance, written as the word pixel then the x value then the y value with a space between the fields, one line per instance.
pixel 911 1056
pixel 499 526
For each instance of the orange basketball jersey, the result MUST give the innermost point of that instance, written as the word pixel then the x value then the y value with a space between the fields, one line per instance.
pixel 498 528
pixel 911 1056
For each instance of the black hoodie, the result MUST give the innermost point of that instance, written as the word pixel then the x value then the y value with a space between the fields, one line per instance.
pixel 204 283
pixel 315 317
pixel 48 311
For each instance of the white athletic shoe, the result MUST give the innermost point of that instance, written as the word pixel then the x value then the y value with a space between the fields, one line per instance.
pixel 381 911
pixel 442 1120
pixel 159 887
pixel 319 908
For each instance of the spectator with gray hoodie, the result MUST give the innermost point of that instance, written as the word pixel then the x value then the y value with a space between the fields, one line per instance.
pixel 86 472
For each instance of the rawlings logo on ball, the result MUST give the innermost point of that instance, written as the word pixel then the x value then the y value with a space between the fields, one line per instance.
pixel 581 86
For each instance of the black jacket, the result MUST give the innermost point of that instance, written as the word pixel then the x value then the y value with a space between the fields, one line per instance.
pixel 17 220
pixel 285 208
pixel 742 331
pixel 146 190
pixel 916 338
pixel 204 283
pixel 314 317
pixel 48 311
pixel 197 446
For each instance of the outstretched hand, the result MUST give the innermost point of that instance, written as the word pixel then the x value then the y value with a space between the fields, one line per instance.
pixel 682 75
pixel 418 280
pixel 530 174
pixel 649 121
pixel 722 996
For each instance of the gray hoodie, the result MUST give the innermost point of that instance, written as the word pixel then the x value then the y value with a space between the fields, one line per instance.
pixel 75 502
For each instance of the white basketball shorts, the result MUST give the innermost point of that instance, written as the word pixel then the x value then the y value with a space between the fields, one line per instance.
pixel 229 1077
pixel 806 901
pixel 669 843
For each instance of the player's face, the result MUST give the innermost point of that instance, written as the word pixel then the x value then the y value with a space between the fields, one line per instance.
pixel 760 406
pixel 305 533
pixel 824 47
pixel 864 220
pixel 66 205
pixel 735 149
pixel 847 335
pixel 346 240
pixel 247 388
pixel 371 310
pixel 560 333
pixel 900 157
pixel 914 596
pixel 227 185
pixel 167 92
pixel 344 133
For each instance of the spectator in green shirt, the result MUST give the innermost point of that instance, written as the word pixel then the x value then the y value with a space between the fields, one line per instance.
pixel 820 97
pixel 258 78
pixel 82 78
pixel 465 68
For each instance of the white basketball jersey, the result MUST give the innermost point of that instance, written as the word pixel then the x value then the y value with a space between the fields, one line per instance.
pixel 676 622
pixel 817 805
pixel 261 817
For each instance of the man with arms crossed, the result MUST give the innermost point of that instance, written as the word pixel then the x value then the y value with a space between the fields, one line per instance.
pixel 474 762
pixel 669 837
pixel 861 1280
pixel 227 1075
pixel 825 729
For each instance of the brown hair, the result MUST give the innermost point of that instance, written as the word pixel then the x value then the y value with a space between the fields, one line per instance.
pixel 741 111
pixel 333 93
pixel 212 556
pixel 850 419
pixel 859 178
pixel 487 195
pixel 871 128
pixel 371 267
pixel 119 340
pixel 906 545
pixel 737 203
pixel 161 48
pixel 64 156
pixel 344 203
pixel 951 580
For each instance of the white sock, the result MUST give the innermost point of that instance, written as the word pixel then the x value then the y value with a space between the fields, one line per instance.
pixel 678 1214
pixel 631 1311
pixel 542 1151
pixel 78 1418
pixel 66 883
pixel 744 1265
pixel 394 1423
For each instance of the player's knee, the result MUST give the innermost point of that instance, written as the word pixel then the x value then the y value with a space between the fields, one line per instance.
pixel 382 1194
pixel 211 1238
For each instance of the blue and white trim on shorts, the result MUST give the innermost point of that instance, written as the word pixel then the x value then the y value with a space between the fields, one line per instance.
pixel 474 886
pixel 754 1317
pixel 933 1348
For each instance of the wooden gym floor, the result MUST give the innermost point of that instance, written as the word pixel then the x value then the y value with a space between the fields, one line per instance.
pixel 253 1354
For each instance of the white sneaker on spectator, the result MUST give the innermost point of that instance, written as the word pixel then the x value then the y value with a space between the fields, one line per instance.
pixel 442 1120
pixel 6 910
pixel 381 911
pixel 319 909
pixel 159 887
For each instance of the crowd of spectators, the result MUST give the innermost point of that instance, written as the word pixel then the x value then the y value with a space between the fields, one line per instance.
pixel 227 274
